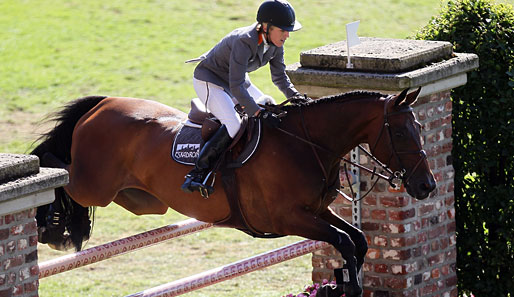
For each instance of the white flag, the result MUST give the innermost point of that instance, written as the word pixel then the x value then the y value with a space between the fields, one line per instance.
pixel 351 34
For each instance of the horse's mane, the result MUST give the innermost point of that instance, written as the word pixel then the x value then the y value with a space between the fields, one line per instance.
pixel 344 97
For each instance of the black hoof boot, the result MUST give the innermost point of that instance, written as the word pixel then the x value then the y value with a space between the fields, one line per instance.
pixel 52 226
pixel 347 279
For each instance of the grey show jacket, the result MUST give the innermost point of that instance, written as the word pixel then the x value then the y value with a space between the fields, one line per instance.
pixel 238 53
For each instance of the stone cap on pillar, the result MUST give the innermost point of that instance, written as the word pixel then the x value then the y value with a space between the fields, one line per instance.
pixel 381 64
pixel 24 185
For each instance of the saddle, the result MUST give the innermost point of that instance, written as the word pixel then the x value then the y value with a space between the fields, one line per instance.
pixel 201 125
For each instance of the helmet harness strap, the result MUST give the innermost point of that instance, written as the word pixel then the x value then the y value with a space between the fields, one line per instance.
pixel 266 32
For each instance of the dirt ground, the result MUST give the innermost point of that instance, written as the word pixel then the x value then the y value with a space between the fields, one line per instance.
pixel 22 127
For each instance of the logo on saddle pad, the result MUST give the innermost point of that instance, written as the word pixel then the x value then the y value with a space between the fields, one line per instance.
pixel 188 144
pixel 187 151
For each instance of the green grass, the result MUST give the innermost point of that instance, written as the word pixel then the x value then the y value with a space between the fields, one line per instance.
pixel 171 260
pixel 52 51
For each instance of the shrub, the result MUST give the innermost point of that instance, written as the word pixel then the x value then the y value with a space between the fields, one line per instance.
pixel 483 143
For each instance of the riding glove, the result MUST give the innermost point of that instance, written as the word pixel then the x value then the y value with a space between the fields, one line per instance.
pixel 300 99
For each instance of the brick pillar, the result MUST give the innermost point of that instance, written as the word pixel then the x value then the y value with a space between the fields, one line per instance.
pixel 23 187
pixel 412 244
pixel 412 249
pixel 18 254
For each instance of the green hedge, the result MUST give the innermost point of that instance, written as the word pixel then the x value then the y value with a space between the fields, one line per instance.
pixel 483 143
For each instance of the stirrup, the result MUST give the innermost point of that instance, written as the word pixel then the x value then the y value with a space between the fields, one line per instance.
pixel 205 191
pixel 193 185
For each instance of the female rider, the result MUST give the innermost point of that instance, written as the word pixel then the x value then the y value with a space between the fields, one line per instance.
pixel 221 80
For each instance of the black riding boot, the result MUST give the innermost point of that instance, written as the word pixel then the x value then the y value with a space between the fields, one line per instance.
pixel 209 154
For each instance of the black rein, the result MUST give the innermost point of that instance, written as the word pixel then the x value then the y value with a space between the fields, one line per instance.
pixel 394 178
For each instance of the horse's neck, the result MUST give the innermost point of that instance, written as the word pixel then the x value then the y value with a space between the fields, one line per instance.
pixel 341 126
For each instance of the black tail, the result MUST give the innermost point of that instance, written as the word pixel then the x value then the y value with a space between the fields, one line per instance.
pixel 58 140
pixel 63 214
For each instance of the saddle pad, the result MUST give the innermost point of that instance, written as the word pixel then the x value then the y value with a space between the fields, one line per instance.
pixel 188 143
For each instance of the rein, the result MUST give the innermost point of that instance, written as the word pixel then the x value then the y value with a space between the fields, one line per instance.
pixel 394 179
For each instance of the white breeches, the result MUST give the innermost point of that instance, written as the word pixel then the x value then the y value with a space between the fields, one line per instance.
pixel 221 105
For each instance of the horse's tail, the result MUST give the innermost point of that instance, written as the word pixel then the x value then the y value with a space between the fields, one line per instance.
pixel 58 140
pixel 64 214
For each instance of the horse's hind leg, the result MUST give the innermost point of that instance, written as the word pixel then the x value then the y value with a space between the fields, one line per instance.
pixel 62 215
pixel 357 236
pixel 307 225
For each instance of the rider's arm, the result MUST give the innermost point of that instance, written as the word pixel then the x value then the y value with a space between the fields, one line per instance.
pixel 279 76
pixel 239 57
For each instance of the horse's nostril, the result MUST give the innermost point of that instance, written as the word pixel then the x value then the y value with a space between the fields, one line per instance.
pixel 428 187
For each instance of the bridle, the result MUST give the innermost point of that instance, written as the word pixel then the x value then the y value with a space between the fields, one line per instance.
pixel 398 175
pixel 393 178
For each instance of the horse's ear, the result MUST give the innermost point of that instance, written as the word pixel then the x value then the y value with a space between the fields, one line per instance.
pixel 399 99
pixel 404 99
pixel 411 98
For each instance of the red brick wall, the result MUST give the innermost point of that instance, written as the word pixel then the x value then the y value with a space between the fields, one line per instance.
pixel 412 248
pixel 18 254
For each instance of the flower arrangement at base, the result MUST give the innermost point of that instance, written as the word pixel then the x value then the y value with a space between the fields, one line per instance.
pixel 312 290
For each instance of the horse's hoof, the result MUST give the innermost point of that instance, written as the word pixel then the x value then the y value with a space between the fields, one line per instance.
pixel 330 290
pixel 64 245
pixel 352 291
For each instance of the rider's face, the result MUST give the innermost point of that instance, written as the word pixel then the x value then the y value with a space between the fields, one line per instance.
pixel 278 36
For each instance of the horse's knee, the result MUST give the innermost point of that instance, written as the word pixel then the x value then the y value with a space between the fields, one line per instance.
pixel 346 246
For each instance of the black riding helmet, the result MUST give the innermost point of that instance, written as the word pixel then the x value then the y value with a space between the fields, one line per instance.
pixel 278 13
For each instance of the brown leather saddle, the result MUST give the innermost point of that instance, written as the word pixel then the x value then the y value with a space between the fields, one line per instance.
pixel 201 125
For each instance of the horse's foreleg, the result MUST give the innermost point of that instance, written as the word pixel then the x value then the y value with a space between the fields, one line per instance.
pixel 307 225
pixel 357 236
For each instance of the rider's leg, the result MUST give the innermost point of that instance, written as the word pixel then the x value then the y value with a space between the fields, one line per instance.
pixel 219 103
pixel 209 154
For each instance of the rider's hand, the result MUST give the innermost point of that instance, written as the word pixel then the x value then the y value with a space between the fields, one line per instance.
pixel 300 99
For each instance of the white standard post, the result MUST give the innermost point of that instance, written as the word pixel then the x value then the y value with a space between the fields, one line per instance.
pixel 351 40
pixel 356 204
pixel 349 62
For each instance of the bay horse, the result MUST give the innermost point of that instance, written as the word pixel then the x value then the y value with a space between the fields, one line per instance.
pixel 118 150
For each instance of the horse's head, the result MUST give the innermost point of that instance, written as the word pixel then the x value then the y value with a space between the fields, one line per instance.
pixel 398 145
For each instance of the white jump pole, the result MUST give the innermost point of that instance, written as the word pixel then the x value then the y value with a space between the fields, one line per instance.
pixel 233 270
pixel 120 246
